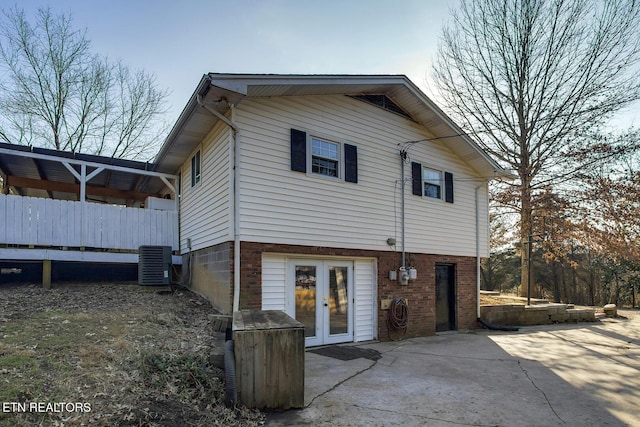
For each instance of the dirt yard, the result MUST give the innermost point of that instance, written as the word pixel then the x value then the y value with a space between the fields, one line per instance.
pixel 110 355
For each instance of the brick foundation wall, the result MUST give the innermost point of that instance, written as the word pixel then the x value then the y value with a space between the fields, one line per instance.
pixel 420 293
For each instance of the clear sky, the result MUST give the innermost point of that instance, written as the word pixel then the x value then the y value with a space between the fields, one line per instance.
pixel 180 40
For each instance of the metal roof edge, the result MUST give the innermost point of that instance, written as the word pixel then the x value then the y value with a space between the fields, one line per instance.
pixel 241 82
pixel 182 119
pixel 74 157
pixel 247 76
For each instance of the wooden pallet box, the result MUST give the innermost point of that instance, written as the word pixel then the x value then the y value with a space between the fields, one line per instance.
pixel 269 359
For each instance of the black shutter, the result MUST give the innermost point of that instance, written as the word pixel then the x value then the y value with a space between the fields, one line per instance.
pixel 298 150
pixel 416 178
pixel 448 187
pixel 350 163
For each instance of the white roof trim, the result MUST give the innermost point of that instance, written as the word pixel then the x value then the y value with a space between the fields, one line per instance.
pixel 235 87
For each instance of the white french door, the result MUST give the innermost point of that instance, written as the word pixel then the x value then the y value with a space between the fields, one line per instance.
pixel 323 294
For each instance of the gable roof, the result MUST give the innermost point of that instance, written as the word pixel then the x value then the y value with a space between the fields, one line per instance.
pixel 195 122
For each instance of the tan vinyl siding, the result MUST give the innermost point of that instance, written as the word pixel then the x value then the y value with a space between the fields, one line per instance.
pixel 205 208
pixel 274 283
pixel 365 300
pixel 282 206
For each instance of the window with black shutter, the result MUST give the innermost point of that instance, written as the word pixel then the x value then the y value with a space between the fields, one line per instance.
pixel 323 157
pixel 448 187
pixel 431 183
pixel 350 163
pixel 298 150
pixel 416 178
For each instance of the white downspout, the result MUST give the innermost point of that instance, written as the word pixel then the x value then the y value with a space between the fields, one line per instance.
pixel 236 219
pixel 236 201
pixel 478 251
pixel 403 156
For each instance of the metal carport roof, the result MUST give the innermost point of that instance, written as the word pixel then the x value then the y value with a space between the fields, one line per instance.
pixel 41 172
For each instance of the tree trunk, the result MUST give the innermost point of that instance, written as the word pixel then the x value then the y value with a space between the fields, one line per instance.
pixel 525 235
pixel 591 286
pixel 574 296
pixel 557 289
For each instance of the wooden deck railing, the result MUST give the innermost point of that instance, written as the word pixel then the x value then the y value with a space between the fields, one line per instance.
pixel 30 221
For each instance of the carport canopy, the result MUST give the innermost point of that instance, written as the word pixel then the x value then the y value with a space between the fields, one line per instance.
pixel 63 175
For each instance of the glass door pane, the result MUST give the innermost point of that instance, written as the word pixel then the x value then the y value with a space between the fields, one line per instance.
pixel 305 277
pixel 323 300
pixel 338 300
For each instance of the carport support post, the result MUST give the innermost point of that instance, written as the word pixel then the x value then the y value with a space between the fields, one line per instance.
pixel 46 273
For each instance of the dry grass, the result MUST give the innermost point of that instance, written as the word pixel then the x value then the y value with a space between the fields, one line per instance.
pixel 497 300
pixel 134 356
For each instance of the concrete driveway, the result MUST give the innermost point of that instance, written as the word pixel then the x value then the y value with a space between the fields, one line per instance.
pixel 583 374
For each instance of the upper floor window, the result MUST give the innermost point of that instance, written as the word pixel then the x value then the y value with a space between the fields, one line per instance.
pixel 432 183
pixel 195 169
pixel 325 157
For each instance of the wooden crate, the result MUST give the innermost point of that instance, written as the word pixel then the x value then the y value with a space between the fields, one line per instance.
pixel 269 355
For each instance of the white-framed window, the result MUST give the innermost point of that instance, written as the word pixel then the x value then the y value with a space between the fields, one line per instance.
pixel 195 169
pixel 316 155
pixel 432 183
pixel 325 157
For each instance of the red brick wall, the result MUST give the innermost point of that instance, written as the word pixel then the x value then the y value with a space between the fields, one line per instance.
pixel 420 293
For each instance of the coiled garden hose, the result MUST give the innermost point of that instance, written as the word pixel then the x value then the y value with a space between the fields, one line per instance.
pixel 398 317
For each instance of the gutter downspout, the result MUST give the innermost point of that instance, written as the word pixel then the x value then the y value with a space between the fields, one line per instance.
pixel 403 156
pixel 478 270
pixel 477 201
pixel 236 201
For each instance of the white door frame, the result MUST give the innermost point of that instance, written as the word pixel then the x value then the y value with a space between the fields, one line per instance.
pixel 322 298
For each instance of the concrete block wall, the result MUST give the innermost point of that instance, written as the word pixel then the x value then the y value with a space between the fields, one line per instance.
pixel 211 272
pixel 504 314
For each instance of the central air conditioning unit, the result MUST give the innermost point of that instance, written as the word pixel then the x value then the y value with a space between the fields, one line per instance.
pixel 154 265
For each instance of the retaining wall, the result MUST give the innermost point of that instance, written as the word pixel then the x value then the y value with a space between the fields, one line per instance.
pixel 526 315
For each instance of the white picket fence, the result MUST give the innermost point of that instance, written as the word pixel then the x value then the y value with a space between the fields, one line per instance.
pixel 48 222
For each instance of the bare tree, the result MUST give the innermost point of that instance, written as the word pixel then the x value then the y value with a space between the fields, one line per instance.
pixel 611 208
pixel 531 78
pixel 55 93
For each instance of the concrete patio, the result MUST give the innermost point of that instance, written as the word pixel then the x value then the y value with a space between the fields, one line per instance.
pixel 573 375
